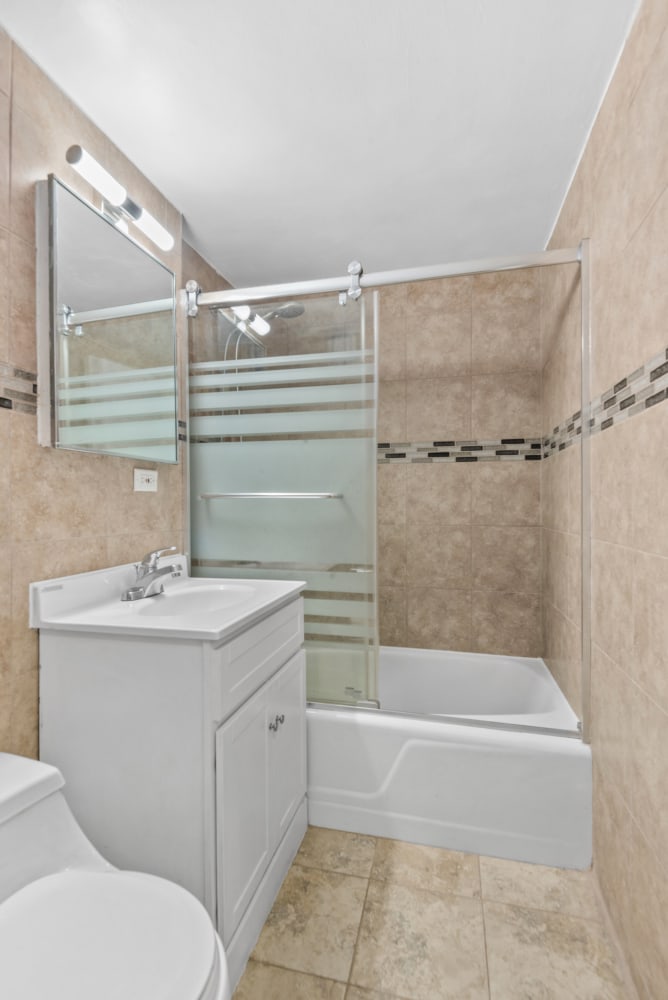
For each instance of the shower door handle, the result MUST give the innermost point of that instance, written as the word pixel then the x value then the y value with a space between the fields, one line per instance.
pixel 271 496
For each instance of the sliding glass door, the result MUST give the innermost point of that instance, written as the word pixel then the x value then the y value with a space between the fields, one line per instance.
pixel 282 465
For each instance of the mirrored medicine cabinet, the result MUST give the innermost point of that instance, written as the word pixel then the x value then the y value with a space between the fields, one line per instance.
pixel 106 335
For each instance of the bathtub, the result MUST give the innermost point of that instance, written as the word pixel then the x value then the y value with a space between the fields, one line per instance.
pixel 444 763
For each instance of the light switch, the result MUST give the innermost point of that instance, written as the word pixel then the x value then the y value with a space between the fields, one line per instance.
pixel 146 480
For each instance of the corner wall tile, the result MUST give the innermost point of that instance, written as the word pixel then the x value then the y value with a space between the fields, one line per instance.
pixel 432 404
pixel 440 322
pixel 505 623
pixel 506 405
pixel 506 322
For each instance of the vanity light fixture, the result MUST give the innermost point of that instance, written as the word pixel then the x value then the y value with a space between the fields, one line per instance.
pixel 116 198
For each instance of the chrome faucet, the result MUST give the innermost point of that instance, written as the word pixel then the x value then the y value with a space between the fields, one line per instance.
pixel 148 574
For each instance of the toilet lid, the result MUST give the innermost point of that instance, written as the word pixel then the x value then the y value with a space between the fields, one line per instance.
pixel 109 935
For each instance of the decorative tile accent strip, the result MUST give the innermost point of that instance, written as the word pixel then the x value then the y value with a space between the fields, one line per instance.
pixel 643 388
pixel 505 450
pixel 564 435
pixel 18 389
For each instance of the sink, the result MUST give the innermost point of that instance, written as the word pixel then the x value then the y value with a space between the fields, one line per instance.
pixel 196 599
pixel 189 607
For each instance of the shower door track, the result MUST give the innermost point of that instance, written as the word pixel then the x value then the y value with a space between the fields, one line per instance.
pixel 318 286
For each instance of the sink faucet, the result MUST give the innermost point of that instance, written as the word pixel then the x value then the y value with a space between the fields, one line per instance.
pixel 148 574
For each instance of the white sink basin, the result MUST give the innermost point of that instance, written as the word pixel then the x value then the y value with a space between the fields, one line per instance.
pixel 196 598
pixel 189 607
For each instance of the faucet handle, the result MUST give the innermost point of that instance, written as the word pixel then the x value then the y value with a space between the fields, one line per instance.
pixel 150 560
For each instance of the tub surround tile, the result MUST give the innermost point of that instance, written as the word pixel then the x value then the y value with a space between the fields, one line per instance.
pixel 438 494
pixel 392 544
pixel 392 333
pixel 313 924
pixel 432 868
pixel 432 404
pixel 439 619
pixel 505 324
pixel 506 623
pixel 506 404
pixel 391 411
pixel 439 314
pixel 392 625
pixel 612 600
pixel 440 558
pixel 269 982
pixel 534 953
pixel 421 945
pixel 391 489
pixel 506 493
pixel 650 626
pixel 506 559
pixel 337 851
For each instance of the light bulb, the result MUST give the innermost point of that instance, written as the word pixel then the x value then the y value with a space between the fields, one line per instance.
pixel 152 228
pixel 259 325
pixel 243 312
pixel 96 175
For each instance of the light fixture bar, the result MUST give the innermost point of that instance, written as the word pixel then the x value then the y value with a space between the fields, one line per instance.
pixel 152 228
pixel 117 197
pixel 96 175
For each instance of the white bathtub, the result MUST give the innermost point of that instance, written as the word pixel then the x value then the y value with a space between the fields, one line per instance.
pixel 482 788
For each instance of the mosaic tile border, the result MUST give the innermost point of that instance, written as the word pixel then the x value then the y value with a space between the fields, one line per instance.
pixel 642 389
pixel 18 389
pixel 645 387
pixel 503 450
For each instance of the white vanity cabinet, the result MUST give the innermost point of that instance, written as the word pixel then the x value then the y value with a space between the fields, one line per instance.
pixel 184 755
pixel 261 747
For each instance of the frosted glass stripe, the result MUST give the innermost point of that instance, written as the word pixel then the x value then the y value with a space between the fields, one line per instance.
pixel 146 430
pixel 280 397
pixel 289 422
pixel 291 361
pixel 117 409
pixel 125 375
pixel 326 373
pixel 125 390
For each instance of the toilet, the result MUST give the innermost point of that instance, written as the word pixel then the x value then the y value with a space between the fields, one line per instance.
pixel 73 927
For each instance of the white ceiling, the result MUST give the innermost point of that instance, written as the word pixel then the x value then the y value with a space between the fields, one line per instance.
pixel 297 136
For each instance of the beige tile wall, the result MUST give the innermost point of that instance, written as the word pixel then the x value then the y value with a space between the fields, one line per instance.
pixel 459 562
pixel 60 512
pixel 619 197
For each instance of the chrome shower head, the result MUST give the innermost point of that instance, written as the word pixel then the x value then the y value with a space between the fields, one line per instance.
pixel 289 310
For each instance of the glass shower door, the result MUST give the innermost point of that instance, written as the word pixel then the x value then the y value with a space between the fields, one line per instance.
pixel 282 467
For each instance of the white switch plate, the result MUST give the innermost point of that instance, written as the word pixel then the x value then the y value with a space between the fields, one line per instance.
pixel 146 480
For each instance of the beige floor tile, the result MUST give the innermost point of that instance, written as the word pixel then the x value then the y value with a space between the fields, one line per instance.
pixel 336 851
pixel 431 868
pixel 536 955
pixel 268 982
pixel 554 889
pixel 416 944
pixel 314 922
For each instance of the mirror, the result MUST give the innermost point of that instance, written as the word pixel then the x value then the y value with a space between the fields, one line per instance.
pixel 106 335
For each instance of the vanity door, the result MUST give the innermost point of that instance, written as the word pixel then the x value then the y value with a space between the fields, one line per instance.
pixel 242 793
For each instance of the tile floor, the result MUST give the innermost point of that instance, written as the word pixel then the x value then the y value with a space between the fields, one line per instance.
pixel 363 918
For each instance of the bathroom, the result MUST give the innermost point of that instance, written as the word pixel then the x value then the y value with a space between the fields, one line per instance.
pixel 66 512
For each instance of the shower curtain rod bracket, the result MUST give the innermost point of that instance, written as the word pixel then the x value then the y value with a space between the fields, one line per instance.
pixel 192 293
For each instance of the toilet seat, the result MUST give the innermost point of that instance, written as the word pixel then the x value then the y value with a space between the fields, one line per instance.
pixel 111 935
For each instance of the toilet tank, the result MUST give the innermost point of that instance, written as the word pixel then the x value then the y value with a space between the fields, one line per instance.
pixel 38 833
